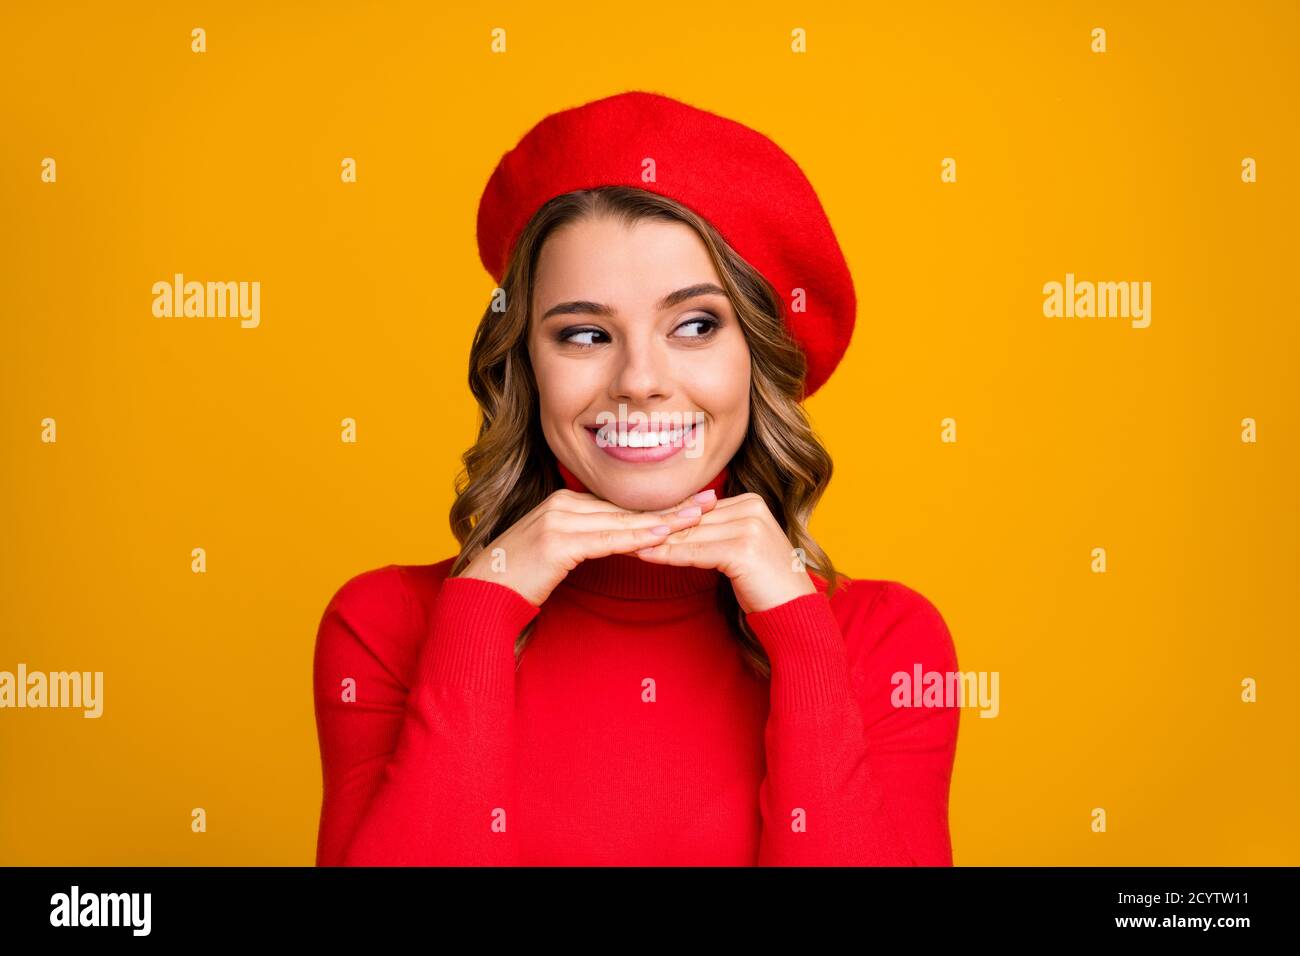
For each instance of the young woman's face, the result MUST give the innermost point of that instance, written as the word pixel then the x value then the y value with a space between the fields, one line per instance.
pixel 635 316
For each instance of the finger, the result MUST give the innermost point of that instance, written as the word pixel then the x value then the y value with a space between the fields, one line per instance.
pixel 598 544
pixel 688 508
pixel 684 508
pixel 586 503
pixel 723 517
pixel 577 523
pixel 710 499
pixel 720 531
pixel 691 553
pixel 582 502
pixel 741 501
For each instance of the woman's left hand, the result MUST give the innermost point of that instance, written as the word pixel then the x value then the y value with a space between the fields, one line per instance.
pixel 742 539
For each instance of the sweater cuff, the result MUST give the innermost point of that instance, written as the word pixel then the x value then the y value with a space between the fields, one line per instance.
pixel 804 644
pixel 470 643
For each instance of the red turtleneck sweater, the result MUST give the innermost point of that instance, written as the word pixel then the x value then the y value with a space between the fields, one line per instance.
pixel 633 730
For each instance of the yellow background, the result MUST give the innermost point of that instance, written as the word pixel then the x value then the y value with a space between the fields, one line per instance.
pixel 1118 690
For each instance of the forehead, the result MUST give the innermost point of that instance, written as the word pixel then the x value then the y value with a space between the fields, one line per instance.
pixel 627 266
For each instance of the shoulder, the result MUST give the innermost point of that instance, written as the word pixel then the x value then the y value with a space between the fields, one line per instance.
pixel 888 625
pixel 893 634
pixel 380 613
pixel 381 594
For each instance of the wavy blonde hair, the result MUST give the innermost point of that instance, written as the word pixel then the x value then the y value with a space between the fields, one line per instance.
pixel 511 468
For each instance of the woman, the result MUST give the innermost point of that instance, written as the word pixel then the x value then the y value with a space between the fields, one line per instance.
pixel 639 655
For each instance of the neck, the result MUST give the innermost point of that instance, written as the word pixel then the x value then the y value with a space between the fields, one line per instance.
pixel 627 576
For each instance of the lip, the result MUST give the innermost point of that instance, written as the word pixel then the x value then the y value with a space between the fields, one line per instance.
pixel 643 455
pixel 664 426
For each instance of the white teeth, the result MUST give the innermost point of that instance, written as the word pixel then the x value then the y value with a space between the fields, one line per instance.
pixel 610 436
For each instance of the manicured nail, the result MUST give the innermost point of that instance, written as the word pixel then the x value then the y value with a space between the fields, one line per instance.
pixel 688 512
pixel 660 529
pixel 707 495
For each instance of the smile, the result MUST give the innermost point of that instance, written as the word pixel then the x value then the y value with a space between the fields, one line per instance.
pixel 645 446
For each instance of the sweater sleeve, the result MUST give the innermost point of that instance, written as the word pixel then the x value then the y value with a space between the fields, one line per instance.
pixel 851 779
pixel 415 722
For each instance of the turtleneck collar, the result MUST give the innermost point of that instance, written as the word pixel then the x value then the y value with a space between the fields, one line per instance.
pixel 627 576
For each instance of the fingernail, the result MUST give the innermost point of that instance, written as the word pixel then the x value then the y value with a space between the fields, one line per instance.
pixel 707 495
pixel 688 512
pixel 660 529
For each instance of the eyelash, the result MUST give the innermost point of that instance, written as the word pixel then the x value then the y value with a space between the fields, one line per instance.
pixel 712 320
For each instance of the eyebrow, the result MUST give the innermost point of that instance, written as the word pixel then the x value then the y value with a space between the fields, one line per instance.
pixel 582 307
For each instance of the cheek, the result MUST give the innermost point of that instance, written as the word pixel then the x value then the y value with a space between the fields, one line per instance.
pixel 736 396
pixel 562 392
pixel 733 387
pixel 719 378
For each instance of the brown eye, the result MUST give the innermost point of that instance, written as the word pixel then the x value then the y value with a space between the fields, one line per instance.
pixel 568 337
pixel 707 323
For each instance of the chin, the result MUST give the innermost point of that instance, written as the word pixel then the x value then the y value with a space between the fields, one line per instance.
pixel 649 492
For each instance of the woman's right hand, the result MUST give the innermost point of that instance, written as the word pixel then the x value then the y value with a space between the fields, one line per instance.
pixel 543 546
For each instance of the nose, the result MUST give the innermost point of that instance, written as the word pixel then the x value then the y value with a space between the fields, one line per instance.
pixel 643 372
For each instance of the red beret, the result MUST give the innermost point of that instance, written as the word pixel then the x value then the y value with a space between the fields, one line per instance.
pixel 745 185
